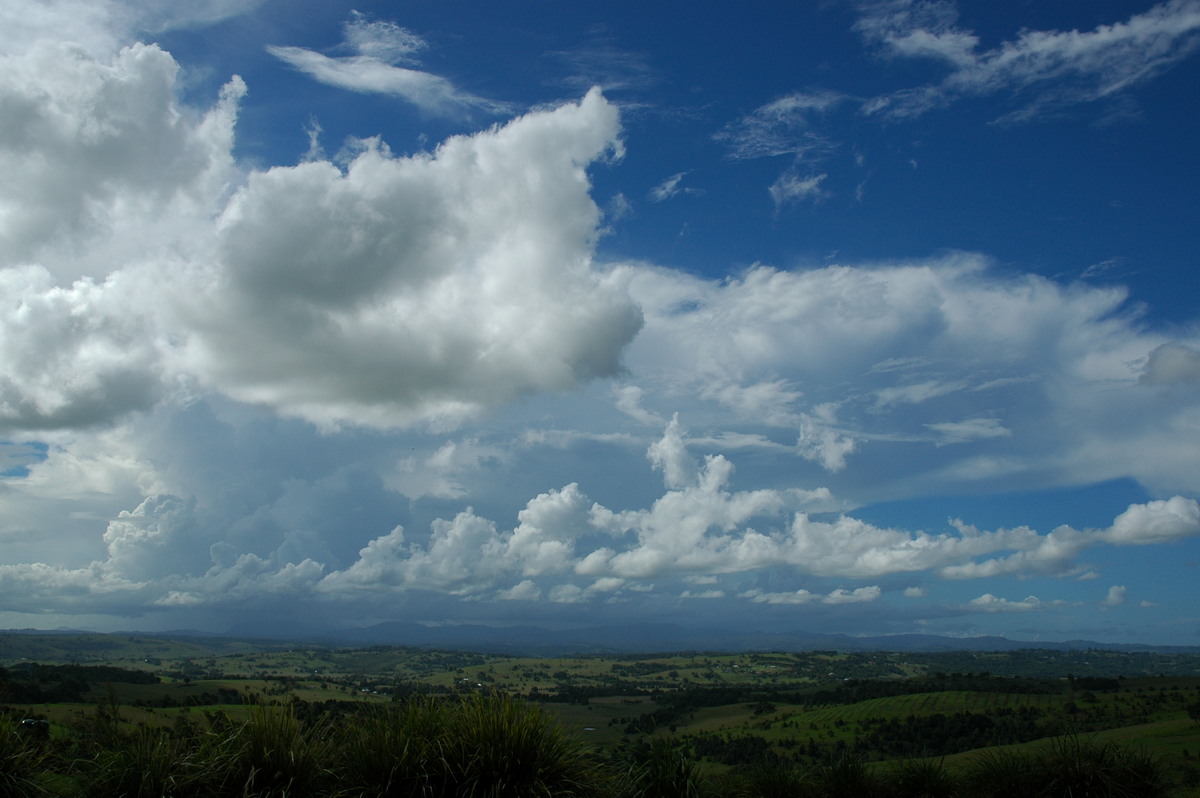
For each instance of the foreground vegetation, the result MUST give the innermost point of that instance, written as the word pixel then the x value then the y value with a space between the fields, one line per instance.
pixel 239 720
pixel 482 745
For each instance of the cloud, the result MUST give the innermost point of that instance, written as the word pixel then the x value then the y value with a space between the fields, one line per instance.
pixel 1117 595
pixel 669 188
pixel 793 188
pixel 395 292
pixel 599 63
pixel 871 361
pixel 785 126
pixel 1172 363
pixel 1040 70
pixel 408 290
pixel 170 552
pixel 990 603
pixel 101 163
pixel 905 29
pixel 1155 522
pixel 382 40
pixel 1037 73
pixel 380 46
pixel 969 430
pixel 100 27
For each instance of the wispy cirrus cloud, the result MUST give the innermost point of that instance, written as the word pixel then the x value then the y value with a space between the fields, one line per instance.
pixel 1035 73
pixel 790 125
pixel 1038 70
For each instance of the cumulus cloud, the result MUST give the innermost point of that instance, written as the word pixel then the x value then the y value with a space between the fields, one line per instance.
pixel 991 603
pixel 1172 363
pixel 397 291
pixel 170 552
pixel 1116 596
pixel 414 289
pixel 102 165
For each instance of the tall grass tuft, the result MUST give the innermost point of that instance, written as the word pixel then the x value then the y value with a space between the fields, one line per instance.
pixel 848 777
pixel 498 746
pixel 272 754
pixel 148 763
pixel 1075 767
pixel 394 750
pixel 778 779
pixel 1003 774
pixel 477 746
pixel 659 769
pixel 922 778
pixel 21 765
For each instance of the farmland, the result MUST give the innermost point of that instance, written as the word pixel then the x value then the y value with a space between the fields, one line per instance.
pixel 726 711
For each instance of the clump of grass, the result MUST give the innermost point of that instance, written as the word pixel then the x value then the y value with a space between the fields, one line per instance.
pixel 1003 773
pixel 659 768
pixel 474 746
pixel 389 751
pixel 1075 767
pixel 848 777
pixel 1069 768
pixel 922 778
pixel 498 746
pixel 776 779
pixel 21 765
pixel 272 754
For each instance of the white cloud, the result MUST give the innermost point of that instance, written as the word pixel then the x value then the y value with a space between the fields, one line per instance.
pixel 382 40
pixel 1172 363
pixel 785 126
pixel 462 282
pixel 971 429
pixel 667 188
pixel 1155 522
pixel 1019 373
pixel 1042 70
pixel 991 603
pixel 906 29
pixel 793 188
pixel 1117 595
pixel 858 595
pixel 101 163
pixel 380 46
pixel 628 401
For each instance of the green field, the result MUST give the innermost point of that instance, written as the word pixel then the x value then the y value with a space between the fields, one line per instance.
pixel 726 712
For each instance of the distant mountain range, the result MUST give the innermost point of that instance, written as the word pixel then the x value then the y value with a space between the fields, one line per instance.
pixel 641 638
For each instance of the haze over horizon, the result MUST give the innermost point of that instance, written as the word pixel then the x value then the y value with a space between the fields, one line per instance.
pixel 867 317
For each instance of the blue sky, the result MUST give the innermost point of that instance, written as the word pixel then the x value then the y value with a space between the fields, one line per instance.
pixel 867 317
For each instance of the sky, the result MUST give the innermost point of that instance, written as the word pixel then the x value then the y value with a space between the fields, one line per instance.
pixel 861 317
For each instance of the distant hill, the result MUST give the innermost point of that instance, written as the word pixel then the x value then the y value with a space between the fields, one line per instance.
pixel 639 638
